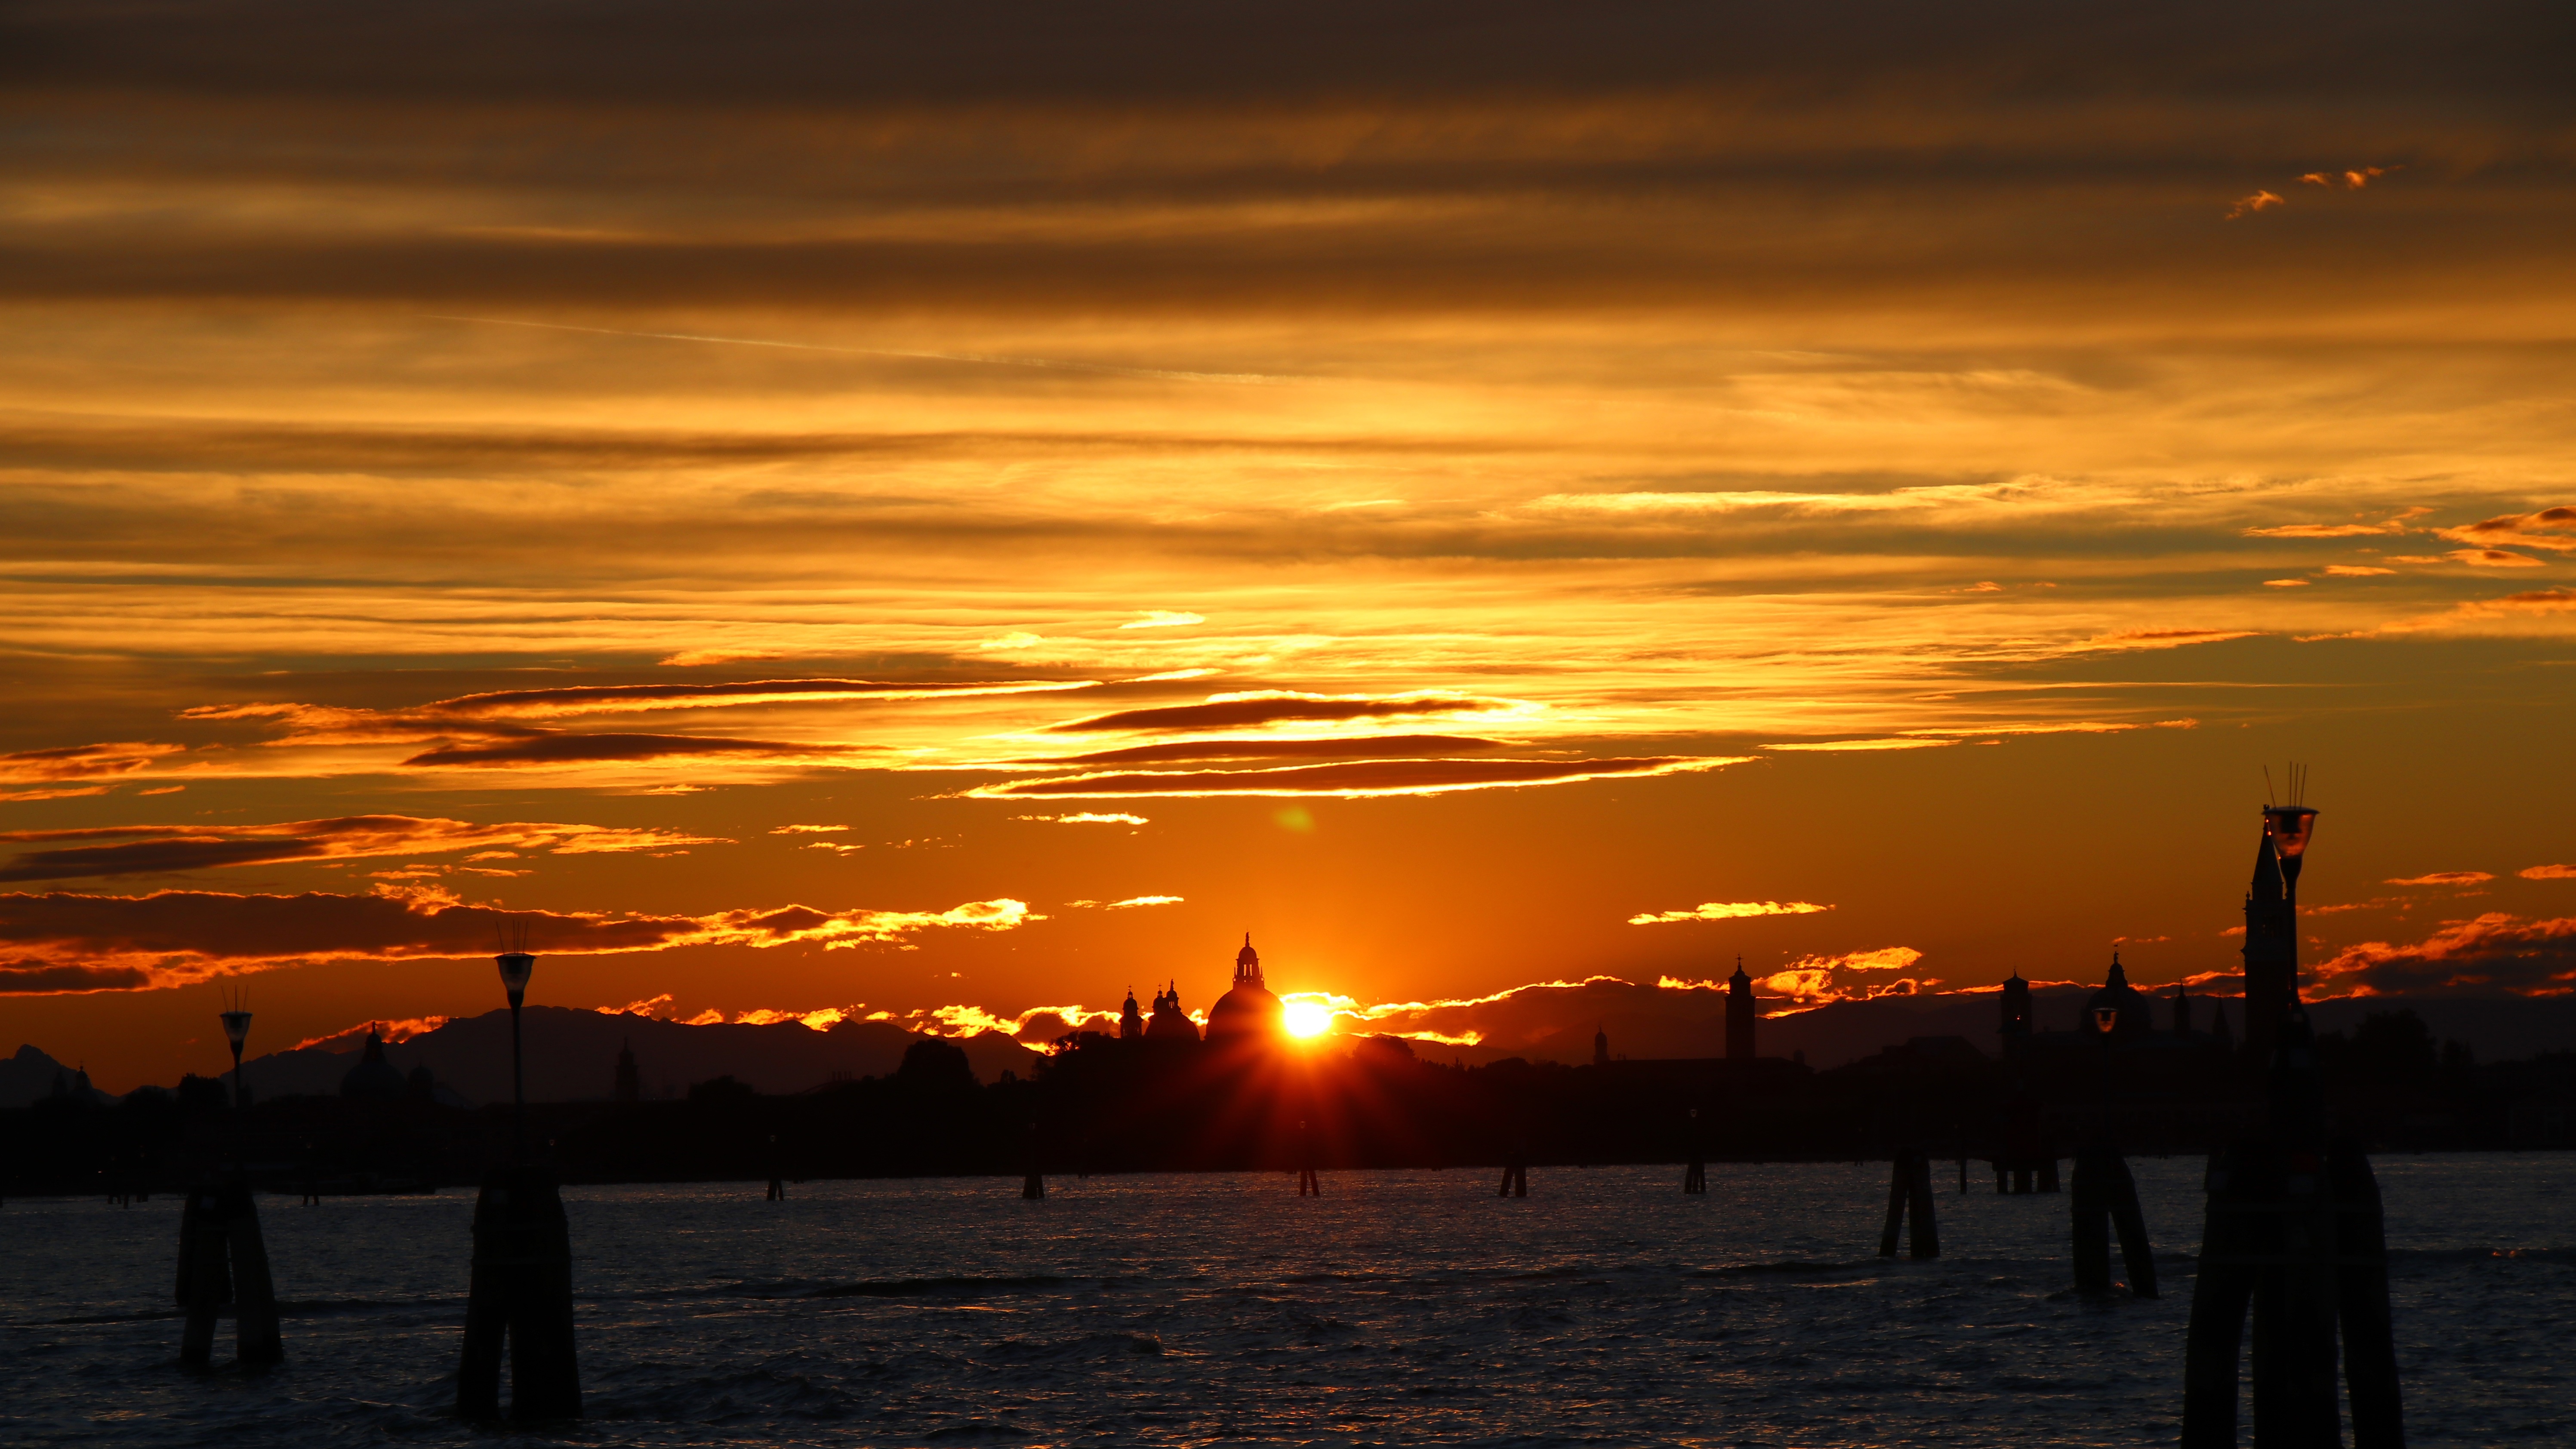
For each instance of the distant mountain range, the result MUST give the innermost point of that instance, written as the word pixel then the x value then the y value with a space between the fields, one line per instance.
pixel 572 1054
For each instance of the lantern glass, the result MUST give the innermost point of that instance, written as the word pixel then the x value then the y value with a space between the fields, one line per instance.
pixel 236 1026
pixel 2104 1018
pixel 2290 826
pixel 516 968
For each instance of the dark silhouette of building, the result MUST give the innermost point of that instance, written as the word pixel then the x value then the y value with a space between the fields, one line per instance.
pixel 1131 1022
pixel 630 1081
pixel 373 1079
pixel 1740 1013
pixel 2272 925
pixel 419 1085
pixel 1601 1046
pixel 2017 1024
pixel 1170 1023
pixel 1248 1013
pixel 2181 1011
pixel 2117 994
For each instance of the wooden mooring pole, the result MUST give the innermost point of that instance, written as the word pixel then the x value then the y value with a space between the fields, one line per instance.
pixel 1909 1192
pixel 1695 1176
pixel 2105 1197
pixel 1033 1186
pixel 521 1292
pixel 223 1260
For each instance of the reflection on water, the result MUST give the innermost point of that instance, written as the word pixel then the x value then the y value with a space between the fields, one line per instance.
pixel 1402 1307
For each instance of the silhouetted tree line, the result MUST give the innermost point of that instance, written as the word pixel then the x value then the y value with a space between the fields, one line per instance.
pixel 1096 1104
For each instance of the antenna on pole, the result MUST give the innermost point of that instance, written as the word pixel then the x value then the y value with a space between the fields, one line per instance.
pixel 2267 787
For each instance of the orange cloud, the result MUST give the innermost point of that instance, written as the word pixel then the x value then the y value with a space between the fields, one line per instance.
pixel 2547 872
pixel 1253 710
pixel 1343 748
pixel 2248 205
pixel 159 849
pixel 2550 528
pixel 2348 180
pixel 2446 878
pixel 2494 558
pixel 2533 603
pixel 1086 818
pixel 64 942
pixel 80 762
pixel 643 1006
pixel 2492 952
pixel 393 1032
pixel 567 749
pixel 2355 571
pixel 692 658
pixel 1729 911
pixel 2167 638
pixel 1352 779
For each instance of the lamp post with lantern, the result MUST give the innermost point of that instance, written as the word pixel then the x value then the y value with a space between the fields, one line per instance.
pixel 520 1293
pixel 222 1257
pixel 2106 1196
pixel 516 968
pixel 236 1031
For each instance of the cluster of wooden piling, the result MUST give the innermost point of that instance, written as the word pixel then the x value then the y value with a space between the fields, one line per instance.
pixel 222 1260
pixel 2105 1196
pixel 1909 1194
pixel 522 1292
pixel 2294 1234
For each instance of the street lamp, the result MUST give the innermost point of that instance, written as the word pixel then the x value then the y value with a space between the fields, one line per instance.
pixel 2290 827
pixel 516 967
pixel 2105 1018
pixel 236 1027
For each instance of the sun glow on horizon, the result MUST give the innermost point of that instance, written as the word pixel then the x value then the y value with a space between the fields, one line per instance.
pixel 1303 1019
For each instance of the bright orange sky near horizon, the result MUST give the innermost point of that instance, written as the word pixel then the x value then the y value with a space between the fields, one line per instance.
pixel 960 511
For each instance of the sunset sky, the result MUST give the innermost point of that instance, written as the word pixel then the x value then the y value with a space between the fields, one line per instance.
pixel 951 510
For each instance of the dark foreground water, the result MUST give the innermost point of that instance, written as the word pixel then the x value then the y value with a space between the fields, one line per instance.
pixel 1401 1308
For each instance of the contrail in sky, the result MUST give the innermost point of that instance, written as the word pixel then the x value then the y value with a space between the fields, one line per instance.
pixel 969 357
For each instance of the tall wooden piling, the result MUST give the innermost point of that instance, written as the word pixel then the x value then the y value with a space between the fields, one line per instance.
pixel 2105 1197
pixel 222 1259
pixel 1309 1183
pixel 1909 1192
pixel 521 1292
pixel 1695 1175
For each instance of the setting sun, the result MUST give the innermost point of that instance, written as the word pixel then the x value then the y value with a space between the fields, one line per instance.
pixel 1307 1018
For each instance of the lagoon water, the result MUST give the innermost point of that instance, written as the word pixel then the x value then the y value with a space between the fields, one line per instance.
pixel 1400 1308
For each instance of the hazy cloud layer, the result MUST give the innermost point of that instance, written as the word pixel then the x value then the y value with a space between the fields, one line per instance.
pixel 1356 778
pixel 1256 710
pixel 61 942
pixel 157 849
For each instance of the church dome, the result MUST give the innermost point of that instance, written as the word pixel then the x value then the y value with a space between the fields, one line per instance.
pixel 1248 1012
pixel 374 1079
pixel 2129 1001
